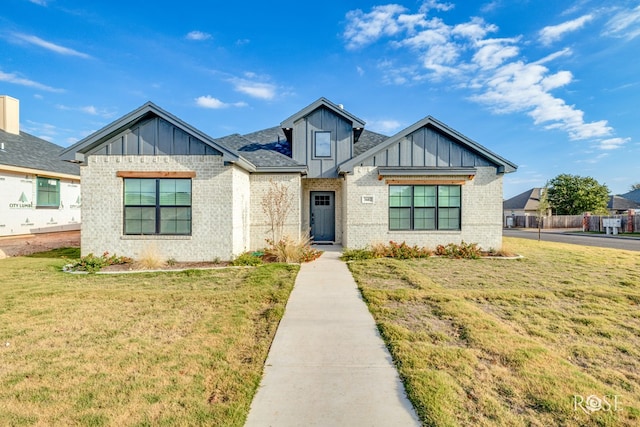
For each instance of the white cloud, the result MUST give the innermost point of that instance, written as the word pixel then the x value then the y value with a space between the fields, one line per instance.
pixel 613 143
pixel 197 35
pixel 365 28
pixel 492 69
pixel 624 24
pixel 88 109
pixel 255 89
pixel 554 33
pixel 387 127
pixel 208 101
pixel 15 79
pixel 50 46
pixel 39 2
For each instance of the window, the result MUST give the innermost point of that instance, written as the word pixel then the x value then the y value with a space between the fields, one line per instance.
pixel 48 193
pixel 323 144
pixel 157 206
pixel 424 207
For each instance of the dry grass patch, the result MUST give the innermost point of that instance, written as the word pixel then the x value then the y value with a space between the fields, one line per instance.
pixel 497 342
pixel 182 348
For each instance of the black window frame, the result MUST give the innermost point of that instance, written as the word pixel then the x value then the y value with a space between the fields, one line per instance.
pixel 437 208
pixel 44 189
pixel 158 208
pixel 315 145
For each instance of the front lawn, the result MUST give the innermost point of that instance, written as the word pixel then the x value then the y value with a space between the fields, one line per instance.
pixel 550 339
pixel 181 348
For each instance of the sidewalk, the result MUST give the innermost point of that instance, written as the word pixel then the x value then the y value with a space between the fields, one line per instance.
pixel 328 365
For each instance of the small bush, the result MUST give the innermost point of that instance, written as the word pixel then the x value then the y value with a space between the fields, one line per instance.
pixel 357 255
pixel 392 250
pixel 150 258
pixel 463 250
pixel 247 258
pixel 92 263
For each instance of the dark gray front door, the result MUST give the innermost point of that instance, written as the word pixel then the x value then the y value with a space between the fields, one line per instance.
pixel 323 214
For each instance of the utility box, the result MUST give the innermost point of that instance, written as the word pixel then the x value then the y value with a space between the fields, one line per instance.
pixel 611 225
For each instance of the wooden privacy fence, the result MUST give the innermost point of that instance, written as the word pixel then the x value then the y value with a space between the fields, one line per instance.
pixel 630 223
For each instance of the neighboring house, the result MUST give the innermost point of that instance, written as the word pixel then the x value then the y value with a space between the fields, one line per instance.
pixel 524 204
pixel 621 205
pixel 633 195
pixel 38 192
pixel 150 180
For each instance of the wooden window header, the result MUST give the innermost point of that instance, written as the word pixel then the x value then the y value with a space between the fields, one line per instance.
pixel 425 182
pixel 155 174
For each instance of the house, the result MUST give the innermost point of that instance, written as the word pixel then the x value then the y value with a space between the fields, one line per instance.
pixel 524 204
pixel 620 205
pixel 38 192
pixel 633 195
pixel 151 180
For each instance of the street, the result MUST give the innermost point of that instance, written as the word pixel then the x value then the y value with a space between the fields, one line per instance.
pixel 603 241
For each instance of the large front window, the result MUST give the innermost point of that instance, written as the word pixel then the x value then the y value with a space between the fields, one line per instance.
pixel 48 193
pixel 424 207
pixel 157 206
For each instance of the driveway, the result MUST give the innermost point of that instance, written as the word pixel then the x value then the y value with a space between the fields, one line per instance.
pixel 562 236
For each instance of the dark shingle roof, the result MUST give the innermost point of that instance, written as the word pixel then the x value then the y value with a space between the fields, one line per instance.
pixel 529 200
pixel 28 151
pixel 632 195
pixel 270 148
pixel 620 203
pixel 367 141
pixel 262 151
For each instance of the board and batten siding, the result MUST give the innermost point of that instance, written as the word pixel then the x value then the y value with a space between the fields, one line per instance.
pixel 304 131
pixel 426 147
pixel 154 137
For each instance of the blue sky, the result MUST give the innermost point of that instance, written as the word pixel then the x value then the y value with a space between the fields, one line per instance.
pixel 553 86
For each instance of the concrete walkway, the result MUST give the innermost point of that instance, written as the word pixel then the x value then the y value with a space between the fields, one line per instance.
pixel 328 365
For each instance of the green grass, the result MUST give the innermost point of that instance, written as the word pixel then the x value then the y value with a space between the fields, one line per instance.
pixel 511 342
pixel 181 348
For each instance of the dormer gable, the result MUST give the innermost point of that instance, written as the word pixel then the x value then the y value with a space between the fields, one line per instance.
pixel 322 136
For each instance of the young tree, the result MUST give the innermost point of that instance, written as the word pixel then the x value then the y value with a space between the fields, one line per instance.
pixel 543 208
pixel 276 204
pixel 574 195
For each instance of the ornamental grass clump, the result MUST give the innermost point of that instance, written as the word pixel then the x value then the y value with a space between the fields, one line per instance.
pixel 289 249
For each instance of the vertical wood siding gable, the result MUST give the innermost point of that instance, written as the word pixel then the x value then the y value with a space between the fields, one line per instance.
pixel 304 131
pixel 155 137
pixel 426 147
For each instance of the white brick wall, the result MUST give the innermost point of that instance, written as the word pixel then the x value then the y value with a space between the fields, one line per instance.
pixel 260 226
pixel 218 207
pixel 369 223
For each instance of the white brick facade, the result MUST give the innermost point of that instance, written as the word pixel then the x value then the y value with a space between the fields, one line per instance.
pixel 368 223
pixel 220 208
pixel 260 226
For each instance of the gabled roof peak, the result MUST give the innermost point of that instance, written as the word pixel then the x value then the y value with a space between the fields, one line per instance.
pixel 338 109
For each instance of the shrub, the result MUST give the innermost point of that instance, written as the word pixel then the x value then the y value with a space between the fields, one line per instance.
pixel 247 258
pixel 92 263
pixel 150 258
pixel 404 251
pixel 392 250
pixel 463 250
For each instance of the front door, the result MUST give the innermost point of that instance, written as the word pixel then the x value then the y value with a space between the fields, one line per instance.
pixel 323 214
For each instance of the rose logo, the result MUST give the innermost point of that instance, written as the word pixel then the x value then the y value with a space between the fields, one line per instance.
pixel 593 403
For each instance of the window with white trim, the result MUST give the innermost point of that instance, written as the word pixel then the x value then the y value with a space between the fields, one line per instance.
pixel 157 206
pixel 424 207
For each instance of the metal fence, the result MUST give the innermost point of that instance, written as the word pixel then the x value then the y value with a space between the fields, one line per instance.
pixel 590 223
